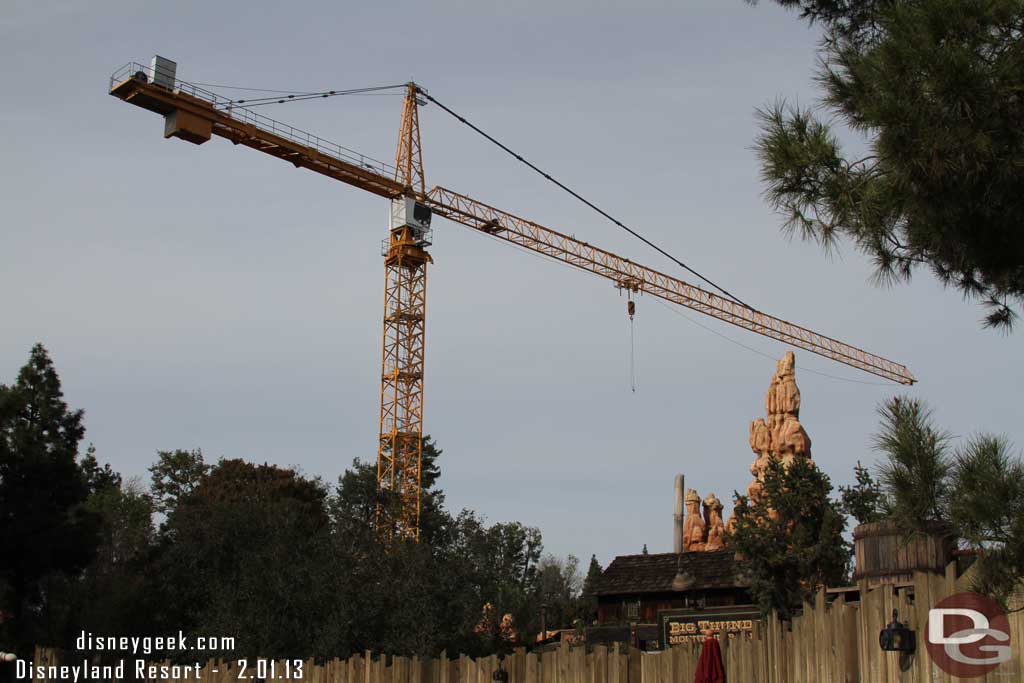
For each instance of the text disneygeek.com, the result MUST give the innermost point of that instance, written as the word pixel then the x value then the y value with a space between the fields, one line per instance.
pixel 243 669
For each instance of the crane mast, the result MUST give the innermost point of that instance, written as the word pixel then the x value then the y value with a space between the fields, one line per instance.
pixel 195 115
pixel 400 449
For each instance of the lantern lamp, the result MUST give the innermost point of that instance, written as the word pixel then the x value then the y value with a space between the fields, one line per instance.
pixel 896 637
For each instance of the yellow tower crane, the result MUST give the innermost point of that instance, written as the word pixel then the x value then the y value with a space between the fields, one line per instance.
pixel 195 114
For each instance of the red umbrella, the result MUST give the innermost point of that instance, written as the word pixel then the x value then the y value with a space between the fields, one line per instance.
pixel 709 665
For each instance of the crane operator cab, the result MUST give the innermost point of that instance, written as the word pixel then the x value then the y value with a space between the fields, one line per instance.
pixel 406 212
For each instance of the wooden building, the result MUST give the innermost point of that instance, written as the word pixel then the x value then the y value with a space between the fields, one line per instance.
pixel 643 595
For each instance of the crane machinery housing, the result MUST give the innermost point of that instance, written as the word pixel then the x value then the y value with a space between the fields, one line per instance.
pixel 195 114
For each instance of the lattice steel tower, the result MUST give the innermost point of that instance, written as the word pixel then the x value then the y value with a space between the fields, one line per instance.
pixel 400 448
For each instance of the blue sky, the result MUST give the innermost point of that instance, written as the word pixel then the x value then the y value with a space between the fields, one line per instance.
pixel 208 297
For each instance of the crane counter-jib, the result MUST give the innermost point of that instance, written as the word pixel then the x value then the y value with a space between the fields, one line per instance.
pixel 195 114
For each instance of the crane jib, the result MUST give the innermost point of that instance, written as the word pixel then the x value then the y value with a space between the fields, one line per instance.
pixel 562 247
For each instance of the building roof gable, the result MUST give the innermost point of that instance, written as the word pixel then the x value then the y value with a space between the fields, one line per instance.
pixel 654 573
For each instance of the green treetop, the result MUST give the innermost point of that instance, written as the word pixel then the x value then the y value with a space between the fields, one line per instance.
pixel 790 538
pixel 935 88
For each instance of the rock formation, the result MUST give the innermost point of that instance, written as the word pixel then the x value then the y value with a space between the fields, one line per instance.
pixel 715 525
pixel 761 445
pixel 694 527
pixel 779 435
pixel 703 529
pixel 788 438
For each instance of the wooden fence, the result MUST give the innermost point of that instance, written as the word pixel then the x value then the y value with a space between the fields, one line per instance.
pixel 829 643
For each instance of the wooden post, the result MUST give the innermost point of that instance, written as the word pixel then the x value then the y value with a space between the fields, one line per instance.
pixel 634 675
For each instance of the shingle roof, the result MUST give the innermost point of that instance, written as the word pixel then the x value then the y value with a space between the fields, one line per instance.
pixel 654 573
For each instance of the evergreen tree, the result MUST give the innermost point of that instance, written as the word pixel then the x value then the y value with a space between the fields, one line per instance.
pixel 986 506
pixel 433 518
pixel 862 501
pixel 44 528
pixel 915 472
pixel 357 496
pixel 594 572
pixel 791 537
pixel 98 478
pixel 975 495
pixel 175 475
pixel 935 86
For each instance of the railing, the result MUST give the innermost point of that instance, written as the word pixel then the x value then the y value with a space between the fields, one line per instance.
pixel 424 238
pixel 245 115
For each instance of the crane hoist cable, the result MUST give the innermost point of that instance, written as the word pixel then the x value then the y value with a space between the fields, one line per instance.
pixel 299 97
pixel 803 368
pixel 631 312
pixel 586 201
